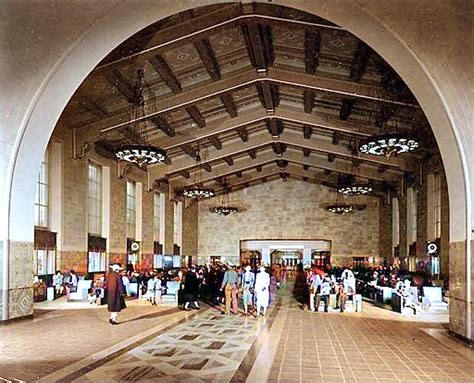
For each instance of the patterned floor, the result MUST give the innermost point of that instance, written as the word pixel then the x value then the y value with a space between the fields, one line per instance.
pixel 208 348
pixel 290 345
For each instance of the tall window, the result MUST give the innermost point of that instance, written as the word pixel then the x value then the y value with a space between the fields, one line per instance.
pixel 412 216
pixel 395 223
pixel 42 193
pixel 178 223
pixel 131 209
pixel 156 217
pixel 437 205
pixel 97 261
pixel 46 261
pixel 94 199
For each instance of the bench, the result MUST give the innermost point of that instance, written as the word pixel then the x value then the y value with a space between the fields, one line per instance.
pixel 433 297
pixel 83 287
pixel 171 296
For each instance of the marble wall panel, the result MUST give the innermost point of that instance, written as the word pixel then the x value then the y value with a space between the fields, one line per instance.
pixel 20 302
pixel 21 264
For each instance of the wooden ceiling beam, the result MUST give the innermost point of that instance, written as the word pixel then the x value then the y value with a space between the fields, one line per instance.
pixel 207 167
pixel 275 127
pixel 208 57
pixel 312 48
pixel 346 108
pixel 307 131
pixel 188 149
pixel 306 152
pixel 308 101
pixel 242 132
pixel 254 43
pixel 163 125
pixel 361 59
pixel 224 87
pixel 229 160
pixel 229 104
pixel 266 96
pixel 319 162
pixel 93 107
pixel 116 78
pixel 163 69
pixel 196 115
pixel 215 142
pixel 252 153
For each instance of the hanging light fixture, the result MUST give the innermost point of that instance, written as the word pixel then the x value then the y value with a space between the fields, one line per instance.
pixel 137 151
pixel 349 186
pixel 225 208
pixel 340 208
pixel 197 189
pixel 388 143
pixel 354 189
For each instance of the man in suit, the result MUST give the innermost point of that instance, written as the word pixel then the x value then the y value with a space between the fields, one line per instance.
pixel 191 289
pixel 115 293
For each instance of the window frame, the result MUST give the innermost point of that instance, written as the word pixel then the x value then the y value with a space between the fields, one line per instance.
pixel 94 201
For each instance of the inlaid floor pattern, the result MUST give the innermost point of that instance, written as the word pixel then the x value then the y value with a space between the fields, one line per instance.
pixel 208 348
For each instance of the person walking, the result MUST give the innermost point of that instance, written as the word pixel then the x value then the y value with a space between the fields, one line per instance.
pixel 115 293
pixel 247 283
pixel 191 289
pixel 229 285
pixel 262 290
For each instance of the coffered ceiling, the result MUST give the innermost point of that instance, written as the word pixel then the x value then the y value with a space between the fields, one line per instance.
pixel 266 91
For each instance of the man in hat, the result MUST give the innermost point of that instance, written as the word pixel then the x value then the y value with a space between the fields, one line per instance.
pixel 229 285
pixel 115 293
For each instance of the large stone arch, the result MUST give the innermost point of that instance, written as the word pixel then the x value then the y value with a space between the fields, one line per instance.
pixel 396 30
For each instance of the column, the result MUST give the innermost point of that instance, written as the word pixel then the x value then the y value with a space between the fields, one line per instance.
pixel 266 255
pixel 307 255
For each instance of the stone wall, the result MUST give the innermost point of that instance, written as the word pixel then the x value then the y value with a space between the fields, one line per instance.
pixel 385 229
pixel 190 229
pixel 288 210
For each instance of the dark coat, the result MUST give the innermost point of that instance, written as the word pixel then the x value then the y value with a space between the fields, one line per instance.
pixel 115 292
pixel 191 284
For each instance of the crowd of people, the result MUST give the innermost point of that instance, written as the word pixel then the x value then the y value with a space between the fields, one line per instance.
pixel 314 285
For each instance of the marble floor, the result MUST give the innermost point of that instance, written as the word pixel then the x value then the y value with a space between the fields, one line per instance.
pixel 289 345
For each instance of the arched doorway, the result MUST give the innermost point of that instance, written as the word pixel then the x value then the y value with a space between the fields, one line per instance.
pixel 55 86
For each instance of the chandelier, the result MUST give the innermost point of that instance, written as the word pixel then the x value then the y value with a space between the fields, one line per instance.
pixel 354 189
pixel 197 190
pixel 137 151
pixel 340 208
pixel 388 145
pixel 225 207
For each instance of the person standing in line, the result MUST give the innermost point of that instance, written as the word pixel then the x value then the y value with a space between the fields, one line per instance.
pixel 341 297
pixel 115 293
pixel 325 291
pixel 262 290
pixel 191 289
pixel 247 283
pixel 229 285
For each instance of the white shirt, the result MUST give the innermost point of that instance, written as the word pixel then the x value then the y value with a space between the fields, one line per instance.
pixel 325 288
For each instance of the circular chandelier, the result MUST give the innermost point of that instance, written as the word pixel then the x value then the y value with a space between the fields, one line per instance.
pixel 137 151
pixel 141 154
pixel 354 189
pixel 224 210
pixel 340 208
pixel 388 145
pixel 198 192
